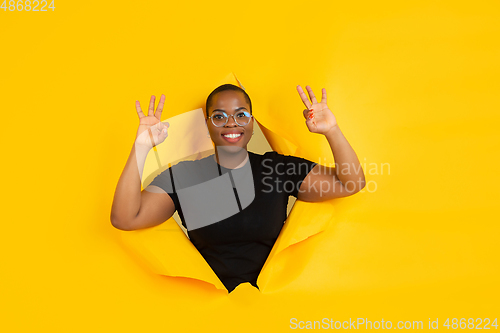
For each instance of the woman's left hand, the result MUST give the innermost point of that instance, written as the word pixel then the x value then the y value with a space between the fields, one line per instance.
pixel 319 118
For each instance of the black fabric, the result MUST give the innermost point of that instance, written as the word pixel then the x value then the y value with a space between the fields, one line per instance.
pixel 237 247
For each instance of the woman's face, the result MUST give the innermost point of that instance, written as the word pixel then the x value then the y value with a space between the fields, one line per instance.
pixel 230 135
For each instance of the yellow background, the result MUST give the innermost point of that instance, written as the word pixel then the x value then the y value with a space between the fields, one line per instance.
pixel 413 84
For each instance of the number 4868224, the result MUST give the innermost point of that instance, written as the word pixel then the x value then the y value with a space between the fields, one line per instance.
pixel 27 5
pixel 470 323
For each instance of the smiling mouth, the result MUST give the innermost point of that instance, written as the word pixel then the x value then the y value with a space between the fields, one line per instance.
pixel 232 137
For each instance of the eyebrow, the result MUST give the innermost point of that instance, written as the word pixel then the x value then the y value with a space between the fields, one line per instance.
pixel 237 109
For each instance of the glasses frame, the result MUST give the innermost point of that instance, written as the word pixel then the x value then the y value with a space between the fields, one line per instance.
pixel 227 118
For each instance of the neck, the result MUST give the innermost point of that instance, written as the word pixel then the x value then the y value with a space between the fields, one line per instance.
pixel 231 159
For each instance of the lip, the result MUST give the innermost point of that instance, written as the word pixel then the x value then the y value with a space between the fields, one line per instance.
pixel 232 140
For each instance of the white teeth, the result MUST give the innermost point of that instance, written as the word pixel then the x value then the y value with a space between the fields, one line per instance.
pixel 232 136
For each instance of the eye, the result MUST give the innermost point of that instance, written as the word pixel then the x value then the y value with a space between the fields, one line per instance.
pixel 218 116
pixel 243 114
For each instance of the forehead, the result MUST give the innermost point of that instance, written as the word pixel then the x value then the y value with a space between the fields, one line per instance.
pixel 229 99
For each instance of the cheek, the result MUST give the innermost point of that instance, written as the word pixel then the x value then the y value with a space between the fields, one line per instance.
pixel 250 129
pixel 248 134
pixel 214 133
pixel 211 129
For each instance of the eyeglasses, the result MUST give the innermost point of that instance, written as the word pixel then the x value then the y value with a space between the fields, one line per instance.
pixel 220 118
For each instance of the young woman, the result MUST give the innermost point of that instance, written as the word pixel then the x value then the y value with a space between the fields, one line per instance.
pixel 233 202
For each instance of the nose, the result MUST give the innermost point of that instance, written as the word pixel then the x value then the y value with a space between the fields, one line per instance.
pixel 230 121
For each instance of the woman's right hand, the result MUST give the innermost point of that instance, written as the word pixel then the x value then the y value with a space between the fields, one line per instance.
pixel 150 125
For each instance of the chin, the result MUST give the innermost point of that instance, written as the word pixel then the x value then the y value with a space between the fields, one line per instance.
pixel 230 149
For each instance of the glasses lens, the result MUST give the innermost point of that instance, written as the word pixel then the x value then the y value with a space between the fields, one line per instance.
pixel 242 118
pixel 219 119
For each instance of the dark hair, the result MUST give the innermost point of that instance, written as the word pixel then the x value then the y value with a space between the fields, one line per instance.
pixel 224 87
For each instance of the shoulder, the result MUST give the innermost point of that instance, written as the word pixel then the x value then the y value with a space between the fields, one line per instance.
pixel 265 160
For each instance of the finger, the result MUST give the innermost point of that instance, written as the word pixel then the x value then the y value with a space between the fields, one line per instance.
pixel 165 126
pixel 151 105
pixel 162 131
pixel 311 95
pixel 323 95
pixel 303 96
pixel 165 130
pixel 160 126
pixel 308 113
pixel 159 108
pixel 156 132
pixel 139 110
pixel 311 124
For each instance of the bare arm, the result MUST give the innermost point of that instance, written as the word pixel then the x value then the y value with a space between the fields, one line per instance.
pixel 132 208
pixel 347 177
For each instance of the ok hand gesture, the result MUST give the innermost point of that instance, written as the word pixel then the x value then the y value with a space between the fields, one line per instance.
pixel 319 118
pixel 151 131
